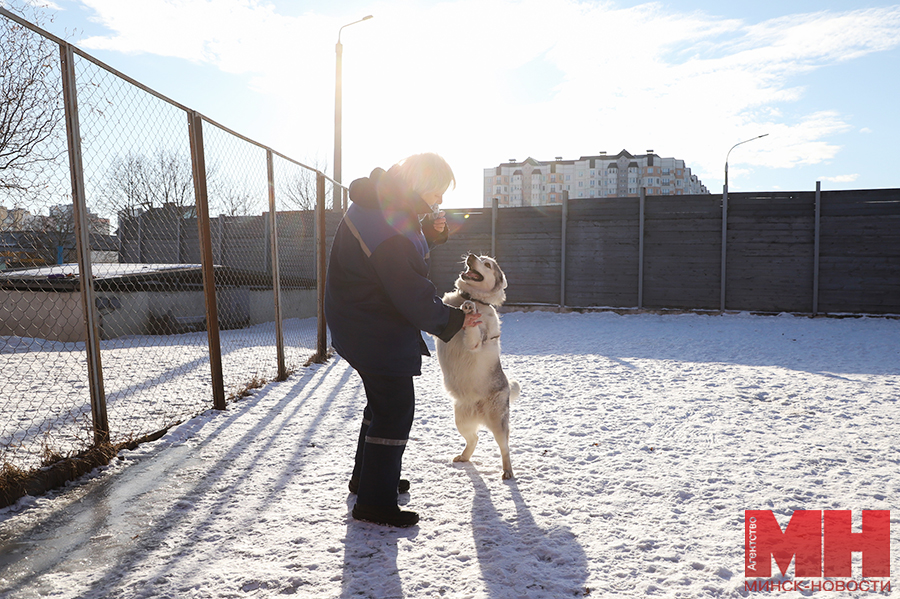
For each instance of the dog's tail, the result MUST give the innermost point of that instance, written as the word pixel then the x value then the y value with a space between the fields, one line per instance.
pixel 514 389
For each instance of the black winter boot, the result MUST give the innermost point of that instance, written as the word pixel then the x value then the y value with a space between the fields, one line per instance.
pixel 385 515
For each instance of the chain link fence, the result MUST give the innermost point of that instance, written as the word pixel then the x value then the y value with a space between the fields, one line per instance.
pixel 153 264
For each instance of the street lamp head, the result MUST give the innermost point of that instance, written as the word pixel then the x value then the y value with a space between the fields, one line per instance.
pixel 365 18
pixel 729 153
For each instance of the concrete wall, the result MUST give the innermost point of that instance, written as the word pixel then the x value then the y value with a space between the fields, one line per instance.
pixel 59 316
pixel 41 315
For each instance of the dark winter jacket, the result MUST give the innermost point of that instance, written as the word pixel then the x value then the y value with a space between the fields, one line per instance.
pixel 377 293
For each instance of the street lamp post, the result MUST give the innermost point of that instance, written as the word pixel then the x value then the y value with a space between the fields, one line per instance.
pixel 729 154
pixel 725 221
pixel 339 50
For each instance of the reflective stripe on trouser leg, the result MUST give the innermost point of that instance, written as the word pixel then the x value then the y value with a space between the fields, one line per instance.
pixel 381 441
pixel 391 404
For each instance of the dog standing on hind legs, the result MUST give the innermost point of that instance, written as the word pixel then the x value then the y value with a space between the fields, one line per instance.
pixel 470 361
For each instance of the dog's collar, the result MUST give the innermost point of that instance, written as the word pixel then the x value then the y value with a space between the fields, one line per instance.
pixel 465 295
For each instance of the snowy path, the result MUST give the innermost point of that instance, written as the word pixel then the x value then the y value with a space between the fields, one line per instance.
pixel 637 444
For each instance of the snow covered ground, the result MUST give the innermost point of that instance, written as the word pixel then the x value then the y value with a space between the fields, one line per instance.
pixel 638 442
pixel 150 381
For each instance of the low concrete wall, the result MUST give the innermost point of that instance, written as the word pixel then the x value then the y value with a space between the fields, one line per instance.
pixel 42 315
pixel 58 316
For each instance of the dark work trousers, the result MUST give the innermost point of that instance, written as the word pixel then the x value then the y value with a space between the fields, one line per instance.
pixel 387 420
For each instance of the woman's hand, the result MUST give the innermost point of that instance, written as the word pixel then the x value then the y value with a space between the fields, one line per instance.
pixel 440 222
pixel 472 320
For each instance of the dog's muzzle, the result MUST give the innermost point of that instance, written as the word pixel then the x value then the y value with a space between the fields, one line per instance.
pixel 471 274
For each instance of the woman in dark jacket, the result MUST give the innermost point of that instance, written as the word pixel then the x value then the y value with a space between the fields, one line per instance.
pixel 378 299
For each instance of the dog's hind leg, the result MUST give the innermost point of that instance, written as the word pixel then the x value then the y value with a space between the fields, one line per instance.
pixel 498 424
pixel 468 428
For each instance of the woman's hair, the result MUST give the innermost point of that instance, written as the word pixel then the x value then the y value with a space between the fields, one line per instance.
pixel 424 173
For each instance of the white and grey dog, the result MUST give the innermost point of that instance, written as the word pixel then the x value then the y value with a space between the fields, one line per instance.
pixel 471 360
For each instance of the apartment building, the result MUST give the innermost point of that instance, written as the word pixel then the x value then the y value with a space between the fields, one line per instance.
pixel 536 183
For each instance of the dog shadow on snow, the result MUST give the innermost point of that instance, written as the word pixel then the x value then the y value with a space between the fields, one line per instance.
pixel 518 557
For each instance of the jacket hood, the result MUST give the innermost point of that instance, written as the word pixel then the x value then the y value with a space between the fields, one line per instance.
pixel 384 192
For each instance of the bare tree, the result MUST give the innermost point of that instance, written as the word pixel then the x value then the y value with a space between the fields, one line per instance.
pixel 236 199
pixel 125 185
pixel 136 182
pixel 31 111
pixel 169 179
pixel 299 190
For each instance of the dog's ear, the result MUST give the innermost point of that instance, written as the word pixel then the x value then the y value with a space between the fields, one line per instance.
pixel 501 276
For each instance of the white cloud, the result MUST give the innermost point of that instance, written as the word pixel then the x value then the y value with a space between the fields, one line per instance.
pixel 445 77
pixel 841 178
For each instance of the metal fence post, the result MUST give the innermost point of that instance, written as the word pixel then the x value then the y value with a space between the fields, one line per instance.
pixel 83 247
pixel 322 332
pixel 276 274
pixel 198 162
pixel 178 240
pixel 642 202
pixel 562 251
pixel 815 302
pixel 724 243
pixel 495 206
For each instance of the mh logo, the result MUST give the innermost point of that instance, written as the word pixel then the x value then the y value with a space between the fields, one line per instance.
pixel 821 542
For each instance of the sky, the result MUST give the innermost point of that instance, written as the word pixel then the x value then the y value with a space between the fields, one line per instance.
pixel 483 82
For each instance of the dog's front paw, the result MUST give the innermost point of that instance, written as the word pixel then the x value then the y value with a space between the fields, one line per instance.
pixel 468 307
pixel 460 458
pixel 507 474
